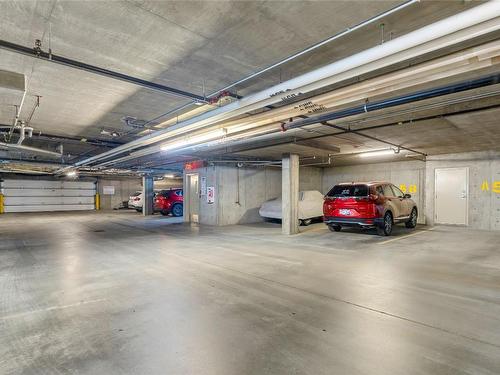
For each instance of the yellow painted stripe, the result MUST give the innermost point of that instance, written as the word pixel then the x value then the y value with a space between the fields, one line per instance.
pixel 2 210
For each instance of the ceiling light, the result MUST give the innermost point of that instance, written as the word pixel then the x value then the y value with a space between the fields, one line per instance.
pixel 189 141
pixel 376 153
pixel 169 176
pixel 71 174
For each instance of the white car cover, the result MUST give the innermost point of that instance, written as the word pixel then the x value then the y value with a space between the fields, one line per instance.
pixel 132 203
pixel 310 206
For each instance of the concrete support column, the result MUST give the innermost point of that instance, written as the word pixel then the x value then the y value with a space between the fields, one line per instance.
pixel 290 194
pixel 147 195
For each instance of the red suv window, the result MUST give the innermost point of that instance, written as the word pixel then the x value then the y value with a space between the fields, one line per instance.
pixel 348 191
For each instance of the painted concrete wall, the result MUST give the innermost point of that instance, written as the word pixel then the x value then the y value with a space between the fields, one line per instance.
pixel 124 188
pixel 408 175
pixel 484 200
pixel 484 186
pixel 239 192
pixel 310 178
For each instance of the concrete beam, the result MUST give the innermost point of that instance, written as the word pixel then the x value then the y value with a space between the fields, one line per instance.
pixel 290 194
pixel 147 195
pixel 319 145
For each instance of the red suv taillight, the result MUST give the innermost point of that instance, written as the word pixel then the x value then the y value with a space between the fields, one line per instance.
pixel 351 207
pixel 371 198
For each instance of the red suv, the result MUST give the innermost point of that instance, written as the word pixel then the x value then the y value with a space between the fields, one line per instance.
pixel 169 202
pixel 368 205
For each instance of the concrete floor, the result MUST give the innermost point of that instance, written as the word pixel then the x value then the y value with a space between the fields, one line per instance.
pixel 114 293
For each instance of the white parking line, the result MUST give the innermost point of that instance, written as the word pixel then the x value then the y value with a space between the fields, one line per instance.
pixel 51 308
pixel 408 235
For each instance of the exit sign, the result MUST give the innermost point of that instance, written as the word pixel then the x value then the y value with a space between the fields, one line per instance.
pixel 196 164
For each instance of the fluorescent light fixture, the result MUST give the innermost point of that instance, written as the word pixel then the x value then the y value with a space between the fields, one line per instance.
pixel 71 174
pixel 369 154
pixel 190 141
pixel 169 176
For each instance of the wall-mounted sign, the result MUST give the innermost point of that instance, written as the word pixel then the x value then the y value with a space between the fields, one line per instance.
pixel 108 190
pixel 495 186
pixel 203 186
pixel 408 189
pixel 210 194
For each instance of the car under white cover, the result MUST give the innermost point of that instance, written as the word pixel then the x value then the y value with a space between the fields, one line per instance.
pixel 310 207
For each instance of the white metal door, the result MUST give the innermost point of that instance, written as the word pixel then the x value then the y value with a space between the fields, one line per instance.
pixel 451 198
pixel 194 198
pixel 43 195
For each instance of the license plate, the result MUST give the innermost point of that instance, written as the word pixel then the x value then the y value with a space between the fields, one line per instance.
pixel 345 212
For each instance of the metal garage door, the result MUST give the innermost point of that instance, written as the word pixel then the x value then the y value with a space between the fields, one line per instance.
pixel 40 195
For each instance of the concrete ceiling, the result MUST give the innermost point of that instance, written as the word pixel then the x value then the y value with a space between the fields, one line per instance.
pixel 180 44
pixel 470 126
pixel 194 46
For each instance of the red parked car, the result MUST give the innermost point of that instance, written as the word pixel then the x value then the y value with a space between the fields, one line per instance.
pixel 368 205
pixel 169 202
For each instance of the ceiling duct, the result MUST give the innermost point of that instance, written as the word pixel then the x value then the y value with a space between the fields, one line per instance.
pixel 38 53
pixel 30 150
pixel 13 85
pixel 12 92
pixel 393 102
pixel 477 21
pixel 474 59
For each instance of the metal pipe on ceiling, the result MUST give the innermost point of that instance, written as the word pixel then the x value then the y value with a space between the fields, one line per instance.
pixel 7 160
pixel 50 57
pixel 374 127
pixel 65 139
pixel 24 171
pixel 30 149
pixel 296 55
pixel 18 114
pixel 393 102
pixel 23 129
pixel 330 39
pixel 375 138
pixel 469 24
pixel 476 58
pixel 22 135
pixel 369 107
pixel 468 60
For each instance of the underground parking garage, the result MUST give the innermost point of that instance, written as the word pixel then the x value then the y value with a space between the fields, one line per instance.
pixel 232 187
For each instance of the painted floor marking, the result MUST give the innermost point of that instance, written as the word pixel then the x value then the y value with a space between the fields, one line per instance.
pixel 51 308
pixel 403 237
